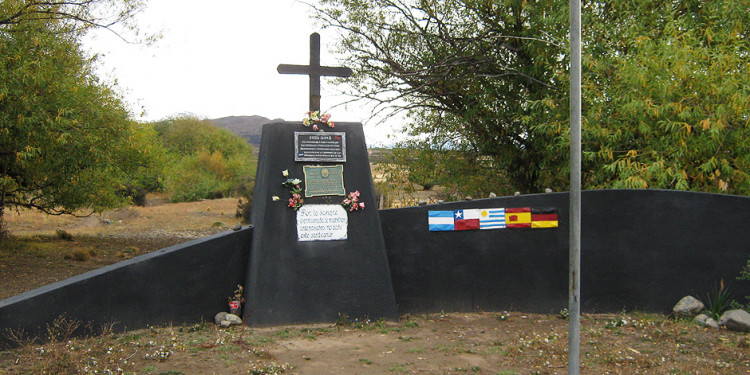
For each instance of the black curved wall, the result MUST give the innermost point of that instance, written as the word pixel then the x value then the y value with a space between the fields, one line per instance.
pixel 640 249
pixel 184 283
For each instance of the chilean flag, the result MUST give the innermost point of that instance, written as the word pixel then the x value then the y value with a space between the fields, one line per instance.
pixel 466 219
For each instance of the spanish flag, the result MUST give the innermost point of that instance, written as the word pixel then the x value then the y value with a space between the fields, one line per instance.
pixel 518 217
pixel 544 218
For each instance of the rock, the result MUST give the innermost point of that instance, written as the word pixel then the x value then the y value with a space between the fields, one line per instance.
pixel 422 203
pixel 493 195
pixel 107 221
pixel 220 317
pixel 225 323
pixel 517 193
pixel 234 319
pixel 547 190
pixel 237 227
pixel 706 321
pixel 736 320
pixel 688 307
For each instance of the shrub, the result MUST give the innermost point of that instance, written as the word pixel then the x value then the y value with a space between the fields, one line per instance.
pixel 718 300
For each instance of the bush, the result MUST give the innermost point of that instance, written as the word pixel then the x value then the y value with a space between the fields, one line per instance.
pixel 207 162
pixel 744 275
pixel 718 301
pixel 245 203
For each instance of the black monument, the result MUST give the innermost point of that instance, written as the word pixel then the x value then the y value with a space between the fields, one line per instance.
pixel 320 261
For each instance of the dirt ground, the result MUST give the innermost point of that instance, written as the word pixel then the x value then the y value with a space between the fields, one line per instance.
pixel 36 255
pixel 443 343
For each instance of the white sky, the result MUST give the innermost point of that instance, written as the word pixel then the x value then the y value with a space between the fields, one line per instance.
pixel 218 58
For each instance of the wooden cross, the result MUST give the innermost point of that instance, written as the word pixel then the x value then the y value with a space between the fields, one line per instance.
pixel 315 71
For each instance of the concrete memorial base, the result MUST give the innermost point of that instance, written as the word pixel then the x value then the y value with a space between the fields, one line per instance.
pixel 321 261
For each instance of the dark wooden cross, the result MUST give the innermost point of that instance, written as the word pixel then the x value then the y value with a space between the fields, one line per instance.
pixel 315 71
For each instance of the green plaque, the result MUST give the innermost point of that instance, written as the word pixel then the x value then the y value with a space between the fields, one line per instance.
pixel 324 180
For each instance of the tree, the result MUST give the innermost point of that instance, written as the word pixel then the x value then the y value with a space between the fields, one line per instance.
pixel 205 161
pixel 675 111
pixel 66 140
pixel 498 70
pixel 71 16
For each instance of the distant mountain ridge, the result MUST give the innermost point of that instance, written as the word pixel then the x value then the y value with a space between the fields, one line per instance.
pixel 247 127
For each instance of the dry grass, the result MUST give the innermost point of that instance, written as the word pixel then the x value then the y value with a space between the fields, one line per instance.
pixel 44 249
pixel 455 343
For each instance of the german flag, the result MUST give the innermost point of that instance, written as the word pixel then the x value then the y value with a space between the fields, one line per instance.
pixel 518 217
pixel 544 218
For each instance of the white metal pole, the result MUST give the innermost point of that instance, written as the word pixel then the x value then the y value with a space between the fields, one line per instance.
pixel 574 293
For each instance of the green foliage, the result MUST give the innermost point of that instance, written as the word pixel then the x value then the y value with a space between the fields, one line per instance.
pixel 668 103
pixel 718 301
pixel 206 162
pixel 456 169
pixel 744 275
pixel 665 90
pixel 245 203
pixel 66 140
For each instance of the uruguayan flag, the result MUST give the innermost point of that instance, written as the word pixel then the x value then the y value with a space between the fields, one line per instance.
pixel 440 220
pixel 492 218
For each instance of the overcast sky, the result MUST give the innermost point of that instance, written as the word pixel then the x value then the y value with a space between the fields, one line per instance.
pixel 218 58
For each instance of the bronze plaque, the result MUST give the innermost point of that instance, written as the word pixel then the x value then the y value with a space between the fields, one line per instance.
pixel 324 180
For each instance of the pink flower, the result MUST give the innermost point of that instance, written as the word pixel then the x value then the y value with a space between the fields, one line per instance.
pixel 315 127
pixel 347 201
pixel 291 202
pixel 361 204
pixel 330 124
pixel 296 196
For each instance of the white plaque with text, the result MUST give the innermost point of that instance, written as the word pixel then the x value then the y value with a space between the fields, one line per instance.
pixel 321 222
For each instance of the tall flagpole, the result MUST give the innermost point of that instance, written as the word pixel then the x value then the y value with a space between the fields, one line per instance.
pixel 574 293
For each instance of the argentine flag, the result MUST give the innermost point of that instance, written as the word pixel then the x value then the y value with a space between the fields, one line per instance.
pixel 440 221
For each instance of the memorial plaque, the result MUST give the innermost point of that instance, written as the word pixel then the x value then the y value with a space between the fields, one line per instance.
pixel 320 146
pixel 324 180
pixel 321 222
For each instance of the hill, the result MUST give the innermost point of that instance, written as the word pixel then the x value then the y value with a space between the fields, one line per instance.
pixel 247 127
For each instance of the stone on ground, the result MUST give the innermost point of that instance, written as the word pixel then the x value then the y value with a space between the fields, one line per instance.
pixel 736 320
pixel 687 307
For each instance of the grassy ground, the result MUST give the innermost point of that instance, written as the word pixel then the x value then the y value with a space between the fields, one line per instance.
pixel 446 343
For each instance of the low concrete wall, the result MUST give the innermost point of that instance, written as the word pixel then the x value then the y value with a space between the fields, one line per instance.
pixel 640 249
pixel 180 284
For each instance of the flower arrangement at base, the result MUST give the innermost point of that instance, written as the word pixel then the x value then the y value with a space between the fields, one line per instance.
pixel 236 301
pixel 352 203
pixel 316 118
pixel 293 185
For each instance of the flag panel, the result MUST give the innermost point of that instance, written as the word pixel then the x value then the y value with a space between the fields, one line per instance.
pixel 518 217
pixel 492 218
pixel 544 218
pixel 467 219
pixel 440 221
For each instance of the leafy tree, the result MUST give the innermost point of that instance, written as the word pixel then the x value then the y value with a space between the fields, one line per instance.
pixel 665 89
pixel 206 161
pixel 73 16
pixel 674 111
pixel 66 140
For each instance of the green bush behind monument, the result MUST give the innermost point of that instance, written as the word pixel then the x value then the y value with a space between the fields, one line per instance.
pixel 205 162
